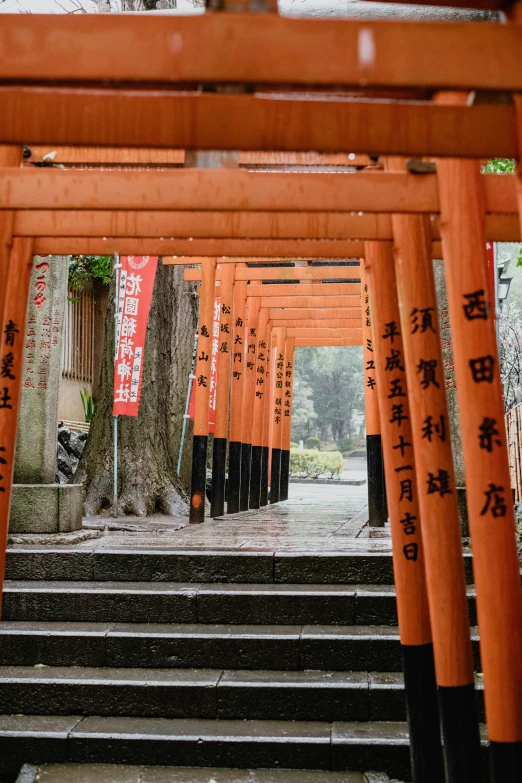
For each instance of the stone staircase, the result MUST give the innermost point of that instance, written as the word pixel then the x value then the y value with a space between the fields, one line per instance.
pixel 209 661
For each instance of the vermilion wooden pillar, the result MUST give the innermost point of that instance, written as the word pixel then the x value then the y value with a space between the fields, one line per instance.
pixel 377 511
pixel 9 156
pixel 17 279
pixel 260 392
pixel 265 439
pixel 286 437
pixel 488 484
pixel 277 414
pixel 253 304
pixel 236 397
pixel 440 527
pixel 219 455
pixel 201 412
pixel 404 511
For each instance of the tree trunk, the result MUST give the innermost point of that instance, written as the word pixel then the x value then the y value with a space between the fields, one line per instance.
pixel 149 443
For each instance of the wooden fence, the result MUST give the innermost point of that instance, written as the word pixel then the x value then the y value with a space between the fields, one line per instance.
pixel 78 336
pixel 514 431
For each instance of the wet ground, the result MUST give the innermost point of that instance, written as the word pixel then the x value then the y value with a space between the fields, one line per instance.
pixel 316 517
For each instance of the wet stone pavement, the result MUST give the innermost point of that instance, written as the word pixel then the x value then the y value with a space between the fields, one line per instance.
pixel 316 517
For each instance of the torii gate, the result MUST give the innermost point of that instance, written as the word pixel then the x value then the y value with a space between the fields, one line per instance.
pixel 479 58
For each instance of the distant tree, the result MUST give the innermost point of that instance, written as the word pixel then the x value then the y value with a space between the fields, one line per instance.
pixel 510 348
pixel 335 376
pixel 304 416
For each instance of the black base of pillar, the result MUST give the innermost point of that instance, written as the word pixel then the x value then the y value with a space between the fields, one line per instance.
pixel 275 476
pixel 234 476
pixel 263 497
pixel 199 479
pixel 255 477
pixel 506 762
pixel 285 474
pixel 219 475
pixel 423 713
pixel 246 456
pixel 460 731
pixel 377 511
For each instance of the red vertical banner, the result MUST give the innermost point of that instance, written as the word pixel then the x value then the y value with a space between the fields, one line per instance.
pixel 136 282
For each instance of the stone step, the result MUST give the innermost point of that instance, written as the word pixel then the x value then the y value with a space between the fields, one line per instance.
pixel 204 743
pixel 205 693
pixel 283 648
pixel 172 602
pixel 279 567
pixel 107 773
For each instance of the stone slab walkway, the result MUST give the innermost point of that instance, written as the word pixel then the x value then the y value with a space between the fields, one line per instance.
pixel 315 518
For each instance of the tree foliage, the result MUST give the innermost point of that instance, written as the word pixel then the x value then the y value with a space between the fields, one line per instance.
pixel 83 269
pixel 499 166
pixel 334 376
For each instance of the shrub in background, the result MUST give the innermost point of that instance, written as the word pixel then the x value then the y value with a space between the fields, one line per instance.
pixel 311 463
pixel 312 443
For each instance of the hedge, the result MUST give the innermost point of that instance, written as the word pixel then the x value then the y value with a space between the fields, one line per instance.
pixel 310 463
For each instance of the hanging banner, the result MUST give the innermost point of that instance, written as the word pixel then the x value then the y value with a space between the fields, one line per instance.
pixel 136 282
pixel 213 369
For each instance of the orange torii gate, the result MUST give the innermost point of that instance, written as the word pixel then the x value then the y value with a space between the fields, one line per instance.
pixel 167 52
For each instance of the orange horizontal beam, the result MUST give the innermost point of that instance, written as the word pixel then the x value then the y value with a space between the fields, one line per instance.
pixel 230 225
pixel 286 273
pixel 269 248
pixel 304 289
pixel 160 118
pixel 167 49
pixel 353 303
pixel 315 314
pixel 309 342
pixel 222 189
pixel 225 189
pixel 324 332
pixel 239 225
pixel 316 323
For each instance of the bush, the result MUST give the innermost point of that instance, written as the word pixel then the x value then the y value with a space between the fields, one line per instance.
pixel 344 444
pixel 294 445
pixel 312 443
pixel 310 463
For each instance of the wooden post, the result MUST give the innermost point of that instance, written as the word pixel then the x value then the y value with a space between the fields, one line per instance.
pixel 9 156
pixel 486 466
pixel 219 455
pixel 287 390
pixel 263 497
pixel 261 391
pixel 201 413
pixel 236 397
pixel 277 414
pixel 441 537
pixel 17 279
pixel 377 511
pixel 248 399
pixel 403 507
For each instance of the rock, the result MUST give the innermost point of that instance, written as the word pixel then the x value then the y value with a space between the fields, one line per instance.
pixel 66 463
pixel 76 446
pixel 61 478
pixel 82 437
pixel 64 436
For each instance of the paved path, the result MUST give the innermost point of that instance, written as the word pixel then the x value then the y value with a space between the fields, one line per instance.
pixel 322 517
